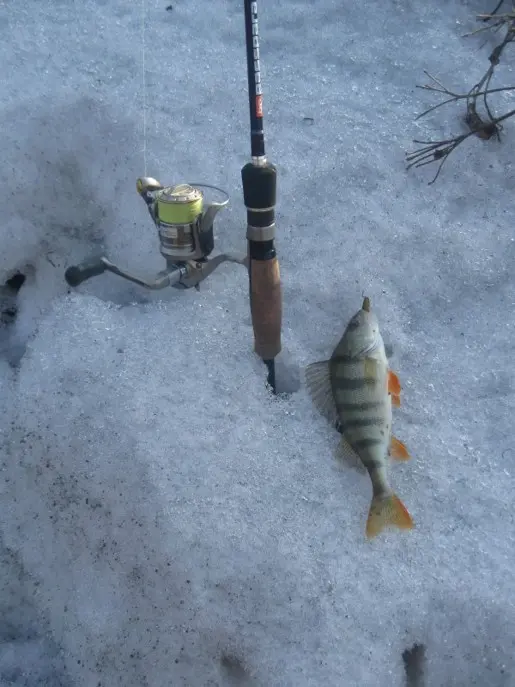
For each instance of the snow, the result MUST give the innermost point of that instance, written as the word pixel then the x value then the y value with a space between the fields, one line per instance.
pixel 164 520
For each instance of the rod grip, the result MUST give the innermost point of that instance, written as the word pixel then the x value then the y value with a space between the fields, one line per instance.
pixel 266 306
pixel 76 274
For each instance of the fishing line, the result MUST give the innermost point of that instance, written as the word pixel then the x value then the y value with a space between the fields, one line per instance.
pixel 144 84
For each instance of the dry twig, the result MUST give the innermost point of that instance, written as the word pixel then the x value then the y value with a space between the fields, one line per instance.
pixel 482 126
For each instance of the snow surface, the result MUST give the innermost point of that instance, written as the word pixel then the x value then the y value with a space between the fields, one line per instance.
pixel 164 521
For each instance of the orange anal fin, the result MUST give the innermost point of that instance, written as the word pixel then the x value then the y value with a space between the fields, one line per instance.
pixel 394 385
pixel 396 401
pixel 398 450
pixel 387 511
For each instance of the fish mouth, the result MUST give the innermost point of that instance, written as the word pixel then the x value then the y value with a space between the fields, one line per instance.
pixel 366 304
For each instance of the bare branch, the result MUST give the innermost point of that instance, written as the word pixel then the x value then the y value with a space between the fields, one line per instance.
pixel 481 126
pixel 432 151
pixel 511 113
pixel 482 29
pixel 458 96
pixel 499 17
pixel 498 7
pixel 440 150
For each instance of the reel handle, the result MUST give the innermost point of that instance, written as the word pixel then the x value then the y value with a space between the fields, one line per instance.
pixel 76 274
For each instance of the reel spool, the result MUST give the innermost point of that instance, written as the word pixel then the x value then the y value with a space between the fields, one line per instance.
pixel 185 228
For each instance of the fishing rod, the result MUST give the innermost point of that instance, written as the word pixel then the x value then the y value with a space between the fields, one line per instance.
pixel 184 214
pixel 259 179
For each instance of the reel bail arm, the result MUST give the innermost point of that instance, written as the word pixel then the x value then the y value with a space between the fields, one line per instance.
pixel 185 230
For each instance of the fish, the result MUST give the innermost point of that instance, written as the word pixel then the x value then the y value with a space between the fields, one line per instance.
pixel 355 390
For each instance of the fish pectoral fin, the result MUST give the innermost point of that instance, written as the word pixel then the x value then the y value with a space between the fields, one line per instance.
pixel 396 400
pixel 387 511
pixel 346 454
pixel 394 385
pixel 318 382
pixel 398 450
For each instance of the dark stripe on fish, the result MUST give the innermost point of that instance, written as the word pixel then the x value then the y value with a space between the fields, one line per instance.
pixel 353 384
pixel 367 405
pixel 372 464
pixel 340 358
pixel 363 422
pixel 369 462
pixel 367 442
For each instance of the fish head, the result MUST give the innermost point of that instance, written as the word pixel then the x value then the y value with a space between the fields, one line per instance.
pixel 362 335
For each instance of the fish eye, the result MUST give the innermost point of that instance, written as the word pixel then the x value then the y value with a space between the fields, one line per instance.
pixel 354 323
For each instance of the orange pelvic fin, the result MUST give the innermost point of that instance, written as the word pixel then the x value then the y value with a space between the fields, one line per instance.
pixel 398 450
pixel 394 385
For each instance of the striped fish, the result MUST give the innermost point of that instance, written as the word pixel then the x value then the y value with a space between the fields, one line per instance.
pixel 355 391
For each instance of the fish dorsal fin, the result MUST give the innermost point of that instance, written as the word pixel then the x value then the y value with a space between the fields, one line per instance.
pixel 318 382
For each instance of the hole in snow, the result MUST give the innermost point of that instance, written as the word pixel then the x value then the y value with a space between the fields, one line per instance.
pixel 287 375
pixel 16 281
pixel 414 663
pixel 234 668
pixel 8 293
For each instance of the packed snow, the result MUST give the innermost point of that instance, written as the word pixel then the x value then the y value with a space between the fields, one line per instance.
pixel 165 520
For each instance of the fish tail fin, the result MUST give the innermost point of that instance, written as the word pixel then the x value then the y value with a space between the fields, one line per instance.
pixel 385 511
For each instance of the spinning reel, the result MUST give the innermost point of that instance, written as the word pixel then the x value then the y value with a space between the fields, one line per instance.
pixel 184 223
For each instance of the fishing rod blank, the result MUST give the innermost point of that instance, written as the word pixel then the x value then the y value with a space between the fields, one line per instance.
pixel 259 193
